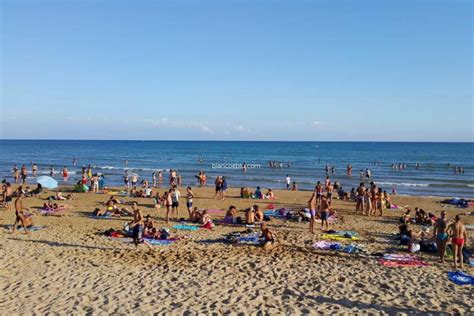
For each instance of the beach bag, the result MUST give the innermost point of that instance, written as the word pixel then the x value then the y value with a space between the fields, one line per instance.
pixel 414 247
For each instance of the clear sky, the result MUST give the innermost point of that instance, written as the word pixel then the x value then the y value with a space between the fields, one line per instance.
pixel 238 70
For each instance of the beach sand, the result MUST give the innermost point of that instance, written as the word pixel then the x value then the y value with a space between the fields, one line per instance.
pixel 69 268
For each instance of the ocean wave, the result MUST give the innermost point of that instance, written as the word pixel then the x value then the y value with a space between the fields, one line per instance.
pixel 471 185
pixel 404 184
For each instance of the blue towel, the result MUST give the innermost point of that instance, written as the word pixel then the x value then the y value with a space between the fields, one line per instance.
pixel 33 228
pixel 159 242
pixel 272 213
pixel 185 227
pixel 253 239
pixel 461 278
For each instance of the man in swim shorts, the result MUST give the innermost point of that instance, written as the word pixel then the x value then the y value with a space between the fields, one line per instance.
pixel 20 216
pixel 137 225
pixel 440 234
pixel 458 234
pixel 324 212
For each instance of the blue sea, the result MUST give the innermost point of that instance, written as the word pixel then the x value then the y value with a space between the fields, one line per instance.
pixel 308 160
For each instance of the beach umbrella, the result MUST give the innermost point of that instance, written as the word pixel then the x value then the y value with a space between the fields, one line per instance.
pixel 47 182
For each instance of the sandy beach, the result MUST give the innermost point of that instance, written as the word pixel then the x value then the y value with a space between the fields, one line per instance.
pixel 70 268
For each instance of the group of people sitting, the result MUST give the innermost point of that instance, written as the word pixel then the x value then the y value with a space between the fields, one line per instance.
pixel 245 193
pixel 443 230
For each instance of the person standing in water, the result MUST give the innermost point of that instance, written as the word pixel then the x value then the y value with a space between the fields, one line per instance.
pixel 458 234
pixel 65 174
pixel 34 169
pixel 288 182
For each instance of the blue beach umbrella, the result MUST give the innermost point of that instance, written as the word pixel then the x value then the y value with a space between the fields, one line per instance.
pixel 47 182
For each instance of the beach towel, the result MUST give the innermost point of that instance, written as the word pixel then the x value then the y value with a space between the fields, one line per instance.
pixel 338 237
pixel 215 211
pixel 401 260
pixel 461 278
pixel 398 263
pixel 234 224
pixel 399 257
pixel 326 245
pixel 469 227
pixel 106 216
pixel 272 213
pixel 252 239
pixel 185 227
pixel 154 242
pixel 32 228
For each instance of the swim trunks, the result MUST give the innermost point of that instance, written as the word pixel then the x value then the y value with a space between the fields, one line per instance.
pixel 442 236
pixel 324 215
pixel 189 204
pixel 175 204
pixel 138 232
pixel 458 241
pixel 312 213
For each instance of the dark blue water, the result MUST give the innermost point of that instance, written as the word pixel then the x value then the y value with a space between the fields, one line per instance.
pixel 308 161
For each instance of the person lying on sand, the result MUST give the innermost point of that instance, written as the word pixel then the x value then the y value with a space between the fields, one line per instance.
pixel 458 233
pixel 20 216
pixel 269 237
pixel 59 196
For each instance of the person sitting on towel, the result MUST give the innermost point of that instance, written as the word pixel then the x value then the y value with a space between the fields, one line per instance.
pixel 206 220
pixel 258 214
pixel 230 215
pixel 258 194
pixel 270 195
pixel 249 216
pixel 269 237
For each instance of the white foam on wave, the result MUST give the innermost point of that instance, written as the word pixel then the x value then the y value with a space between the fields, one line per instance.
pixel 404 184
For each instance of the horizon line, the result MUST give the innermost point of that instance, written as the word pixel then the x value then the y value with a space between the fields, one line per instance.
pixel 230 140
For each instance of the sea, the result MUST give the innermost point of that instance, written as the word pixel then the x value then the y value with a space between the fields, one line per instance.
pixel 304 162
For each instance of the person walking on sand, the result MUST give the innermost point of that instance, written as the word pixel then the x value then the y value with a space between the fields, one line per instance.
pixel 20 216
pixel 312 210
pixel 458 234
pixel 440 234
pixel 137 226
pixel 175 195
pixel 189 200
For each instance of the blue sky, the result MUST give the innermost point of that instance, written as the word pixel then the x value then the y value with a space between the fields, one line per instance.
pixel 238 70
